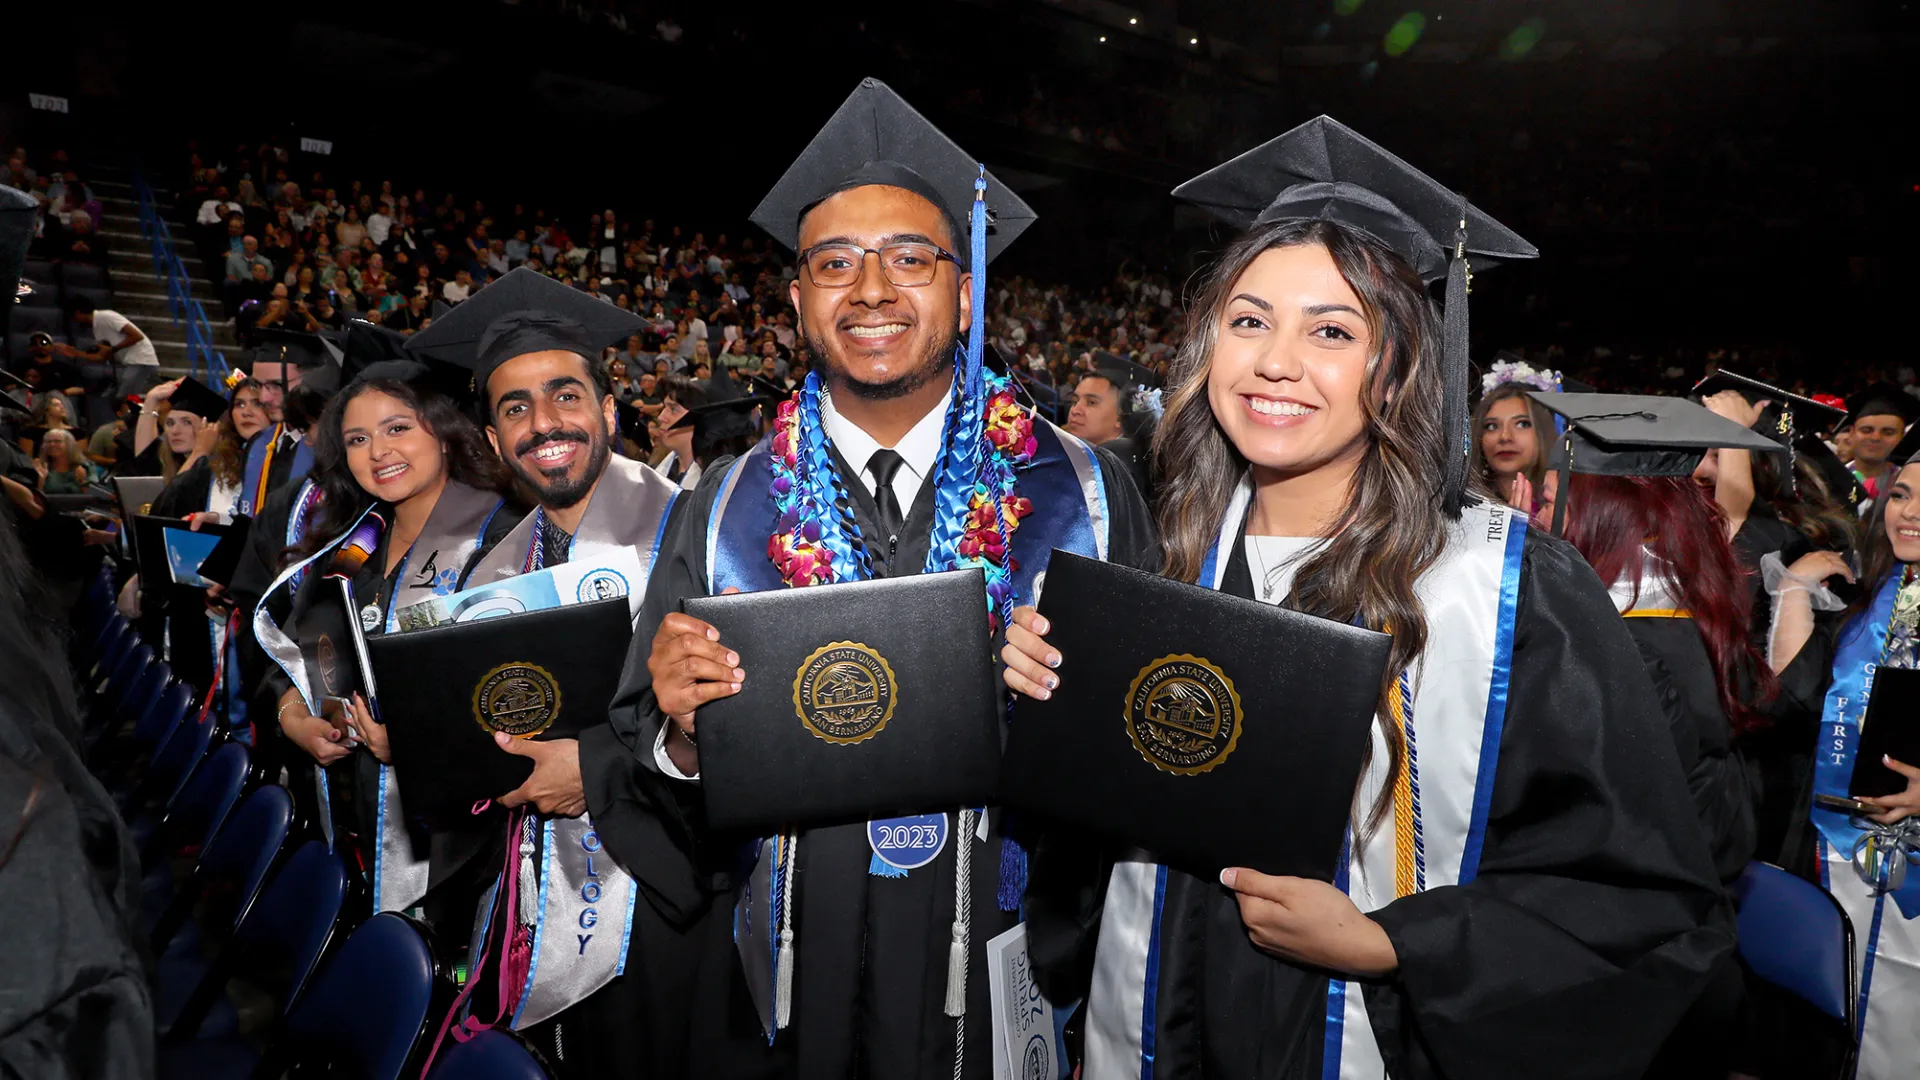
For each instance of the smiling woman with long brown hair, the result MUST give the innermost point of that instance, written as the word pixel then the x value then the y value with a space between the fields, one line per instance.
pixel 1314 454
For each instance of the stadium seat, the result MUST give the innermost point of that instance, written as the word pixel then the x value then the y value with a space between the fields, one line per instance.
pixel 383 978
pixel 174 762
pixel 85 275
pixel 101 296
pixel 200 808
pixel 233 864
pixel 28 319
pixel 1796 936
pixel 275 948
pixel 168 710
pixel 490 1055
pixel 38 271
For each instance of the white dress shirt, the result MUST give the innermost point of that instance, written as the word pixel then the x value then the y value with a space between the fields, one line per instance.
pixel 919 449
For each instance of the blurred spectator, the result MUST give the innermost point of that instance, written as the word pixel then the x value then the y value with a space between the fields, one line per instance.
pixel 119 341
pixel 63 471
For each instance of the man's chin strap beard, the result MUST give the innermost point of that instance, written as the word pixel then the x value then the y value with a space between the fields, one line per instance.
pixel 938 362
pixel 558 493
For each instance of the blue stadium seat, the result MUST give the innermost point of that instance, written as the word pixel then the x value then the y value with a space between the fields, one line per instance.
pixel 233 864
pixel 277 946
pixel 38 271
pixel 490 1055
pixel 201 807
pixel 174 762
pixel 1795 935
pixel 45 294
pixel 383 978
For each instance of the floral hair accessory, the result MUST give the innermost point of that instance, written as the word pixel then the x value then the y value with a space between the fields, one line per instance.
pixel 1546 380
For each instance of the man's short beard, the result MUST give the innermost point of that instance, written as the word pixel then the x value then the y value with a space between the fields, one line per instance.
pixel 936 363
pixel 560 493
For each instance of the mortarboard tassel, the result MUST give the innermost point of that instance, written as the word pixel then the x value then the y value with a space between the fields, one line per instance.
pixel 963 840
pixel 1454 374
pixel 977 265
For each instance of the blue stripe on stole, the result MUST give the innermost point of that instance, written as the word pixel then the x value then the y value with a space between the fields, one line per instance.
pixel 1496 721
pixel 1336 988
pixel 1150 993
pixel 660 534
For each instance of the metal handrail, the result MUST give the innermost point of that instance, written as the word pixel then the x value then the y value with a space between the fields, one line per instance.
pixel 204 362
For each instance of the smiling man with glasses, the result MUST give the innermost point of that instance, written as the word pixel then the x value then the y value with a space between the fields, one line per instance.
pixel 900 421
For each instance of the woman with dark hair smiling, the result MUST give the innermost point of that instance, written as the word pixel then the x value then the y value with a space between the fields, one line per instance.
pixel 1830 654
pixel 407 497
pixel 1529 886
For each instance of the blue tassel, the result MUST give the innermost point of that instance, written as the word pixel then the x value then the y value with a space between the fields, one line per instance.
pixel 1013 873
pixel 880 867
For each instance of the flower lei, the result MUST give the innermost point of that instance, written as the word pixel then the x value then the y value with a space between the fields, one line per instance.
pixel 815 539
pixel 1546 380
pixel 1903 630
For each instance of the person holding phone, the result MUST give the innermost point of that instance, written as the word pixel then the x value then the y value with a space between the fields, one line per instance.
pixel 1520 781
pixel 1828 652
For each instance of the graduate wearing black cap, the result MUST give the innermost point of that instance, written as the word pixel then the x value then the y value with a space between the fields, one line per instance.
pixel 1877 419
pixel 894 226
pixel 1313 453
pixel 532 347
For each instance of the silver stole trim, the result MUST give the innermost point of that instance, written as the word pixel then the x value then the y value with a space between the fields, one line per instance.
pixel 585 920
pixel 1087 468
pixel 583 916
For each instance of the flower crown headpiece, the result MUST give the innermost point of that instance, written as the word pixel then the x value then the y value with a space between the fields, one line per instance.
pixel 1545 380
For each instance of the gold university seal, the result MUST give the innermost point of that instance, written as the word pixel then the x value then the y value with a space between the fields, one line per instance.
pixel 519 699
pixel 844 692
pixel 1183 714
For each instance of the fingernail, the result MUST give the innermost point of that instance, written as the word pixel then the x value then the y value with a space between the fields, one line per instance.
pixel 1045 694
pixel 738 674
pixel 1052 682
pixel 1228 876
pixel 736 688
pixel 712 634
pixel 1041 625
pixel 1053 659
pixel 733 658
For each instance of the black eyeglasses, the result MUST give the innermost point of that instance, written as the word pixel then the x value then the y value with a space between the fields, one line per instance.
pixel 906 265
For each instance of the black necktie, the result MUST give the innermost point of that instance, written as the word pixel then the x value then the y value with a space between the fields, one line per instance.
pixel 883 464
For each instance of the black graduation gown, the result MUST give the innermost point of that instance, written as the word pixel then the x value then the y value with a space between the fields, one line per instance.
pixel 1760 535
pixel 1593 924
pixel 354 781
pixel 870 980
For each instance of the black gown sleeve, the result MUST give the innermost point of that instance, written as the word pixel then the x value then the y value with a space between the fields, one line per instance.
pixel 260 563
pixel 186 493
pixel 1595 919
pixel 653 823
pixel 1131 539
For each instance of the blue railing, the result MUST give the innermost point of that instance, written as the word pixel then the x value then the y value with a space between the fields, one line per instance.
pixel 204 362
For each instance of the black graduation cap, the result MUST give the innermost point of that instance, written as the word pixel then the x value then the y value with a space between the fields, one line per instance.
pixel 767 388
pixel 1638 435
pixel 1794 413
pixel 1883 399
pixel 318 359
pixel 1124 372
pixel 717 421
pixel 875 137
pixel 1326 171
pixel 1909 449
pixel 368 343
pixel 525 311
pixel 196 397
